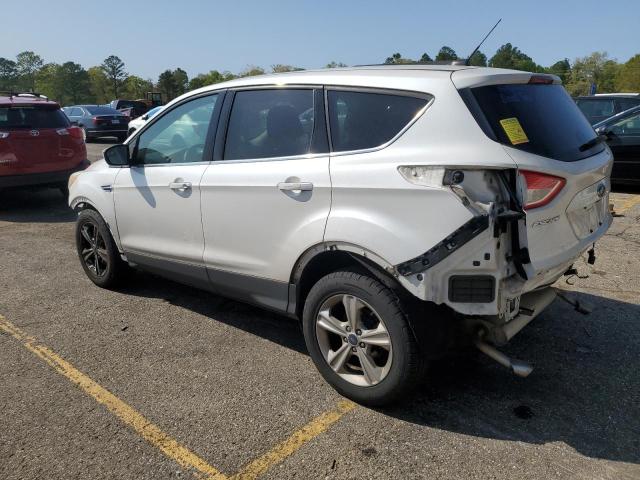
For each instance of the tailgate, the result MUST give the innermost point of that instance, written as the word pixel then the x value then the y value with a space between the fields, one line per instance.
pixel 563 167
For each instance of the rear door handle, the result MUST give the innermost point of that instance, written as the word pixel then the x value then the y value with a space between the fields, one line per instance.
pixel 289 186
pixel 180 186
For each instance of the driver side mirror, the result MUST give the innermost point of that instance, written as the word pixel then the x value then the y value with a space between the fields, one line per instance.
pixel 145 117
pixel 117 155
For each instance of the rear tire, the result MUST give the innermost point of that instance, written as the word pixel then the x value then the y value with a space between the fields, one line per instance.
pixel 97 251
pixel 375 360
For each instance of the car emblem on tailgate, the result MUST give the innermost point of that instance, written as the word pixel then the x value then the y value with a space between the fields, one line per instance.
pixel 34 133
pixel 602 189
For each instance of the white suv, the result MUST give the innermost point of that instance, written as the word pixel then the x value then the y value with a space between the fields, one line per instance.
pixel 385 207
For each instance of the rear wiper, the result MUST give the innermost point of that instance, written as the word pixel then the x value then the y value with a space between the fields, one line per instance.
pixel 592 143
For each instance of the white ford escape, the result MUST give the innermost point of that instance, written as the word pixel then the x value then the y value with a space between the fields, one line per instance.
pixel 385 207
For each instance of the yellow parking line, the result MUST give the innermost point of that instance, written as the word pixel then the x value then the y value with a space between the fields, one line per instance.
pixel 281 451
pixel 150 432
pixel 627 204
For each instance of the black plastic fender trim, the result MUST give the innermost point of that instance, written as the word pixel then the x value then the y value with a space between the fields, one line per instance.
pixel 446 247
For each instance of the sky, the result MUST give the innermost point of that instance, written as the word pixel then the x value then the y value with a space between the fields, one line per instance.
pixel 199 35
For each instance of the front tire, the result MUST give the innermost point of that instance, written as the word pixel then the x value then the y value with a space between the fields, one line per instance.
pixel 360 339
pixel 97 250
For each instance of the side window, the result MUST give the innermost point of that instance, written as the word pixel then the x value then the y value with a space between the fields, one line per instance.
pixel 629 126
pixel 627 103
pixel 270 123
pixel 360 120
pixel 179 136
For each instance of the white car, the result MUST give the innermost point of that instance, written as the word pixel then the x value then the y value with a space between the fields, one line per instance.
pixel 136 123
pixel 412 193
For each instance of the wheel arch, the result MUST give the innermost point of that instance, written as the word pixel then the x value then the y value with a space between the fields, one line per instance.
pixel 328 257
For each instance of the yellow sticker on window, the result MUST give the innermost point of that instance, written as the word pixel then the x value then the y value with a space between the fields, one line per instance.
pixel 514 130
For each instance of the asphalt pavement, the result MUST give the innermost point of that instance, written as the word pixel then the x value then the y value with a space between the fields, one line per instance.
pixel 158 380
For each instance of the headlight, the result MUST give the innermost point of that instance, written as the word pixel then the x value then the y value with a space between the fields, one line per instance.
pixel 72 179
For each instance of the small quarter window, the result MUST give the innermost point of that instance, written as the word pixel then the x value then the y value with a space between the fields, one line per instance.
pixel 361 120
pixel 270 123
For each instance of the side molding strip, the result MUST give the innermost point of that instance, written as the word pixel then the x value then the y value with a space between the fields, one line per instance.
pixel 446 247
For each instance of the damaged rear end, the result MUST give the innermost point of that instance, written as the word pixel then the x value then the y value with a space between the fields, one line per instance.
pixel 529 219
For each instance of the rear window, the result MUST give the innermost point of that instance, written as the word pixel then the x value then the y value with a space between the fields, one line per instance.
pixel 361 120
pixel 102 111
pixel 540 119
pixel 32 117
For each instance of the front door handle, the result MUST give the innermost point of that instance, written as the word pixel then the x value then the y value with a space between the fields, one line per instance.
pixel 180 186
pixel 289 186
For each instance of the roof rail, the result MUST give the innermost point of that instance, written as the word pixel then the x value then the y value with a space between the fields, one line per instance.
pixel 13 93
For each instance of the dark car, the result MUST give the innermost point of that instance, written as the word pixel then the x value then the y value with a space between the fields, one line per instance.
pixel 623 137
pixel 97 121
pixel 603 105
pixel 132 108
pixel 38 144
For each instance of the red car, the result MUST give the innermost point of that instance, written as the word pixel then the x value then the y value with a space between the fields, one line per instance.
pixel 38 144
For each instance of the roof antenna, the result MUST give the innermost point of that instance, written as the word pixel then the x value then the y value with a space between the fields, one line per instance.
pixel 466 62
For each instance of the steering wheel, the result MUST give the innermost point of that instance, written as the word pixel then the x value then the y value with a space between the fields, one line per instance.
pixel 193 153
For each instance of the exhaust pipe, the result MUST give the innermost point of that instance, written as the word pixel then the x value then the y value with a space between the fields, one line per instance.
pixel 518 367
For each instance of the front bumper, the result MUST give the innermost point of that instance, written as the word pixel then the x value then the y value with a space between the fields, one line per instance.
pixel 43 178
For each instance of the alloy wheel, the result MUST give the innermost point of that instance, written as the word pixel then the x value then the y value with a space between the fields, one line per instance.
pixel 354 340
pixel 94 249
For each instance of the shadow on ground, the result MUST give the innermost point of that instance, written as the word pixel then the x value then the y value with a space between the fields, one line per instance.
pixel 34 205
pixel 584 391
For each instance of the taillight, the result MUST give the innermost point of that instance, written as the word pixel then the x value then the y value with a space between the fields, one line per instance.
pixel 94 120
pixel 541 188
pixel 75 132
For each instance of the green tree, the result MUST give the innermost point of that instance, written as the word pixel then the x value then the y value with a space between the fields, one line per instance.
pixel 75 80
pixel 398 59
pixel 446 54
pixel 478 59
pixel 214 76
pixel 67 83
pixel 425 58
pixel 251 70
pixel 181 81
pixel 628 79
pixel 562 69
pixel 28 64
pixel 596 68
pixel 333 64
pixel 8 74
pixel 49 81
pixel 113 68
pixel 280 68
pixel 99 85
pixel 136 88
pixel 508 56
pixel 167 85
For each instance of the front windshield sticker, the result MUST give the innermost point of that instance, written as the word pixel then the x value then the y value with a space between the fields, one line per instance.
pixel 514 131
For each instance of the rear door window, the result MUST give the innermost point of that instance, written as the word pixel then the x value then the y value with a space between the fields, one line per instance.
pixel 270 123
pixel 540 119
pixel 35 118
pixel 361 120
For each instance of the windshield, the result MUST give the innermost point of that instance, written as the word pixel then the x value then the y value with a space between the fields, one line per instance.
pixel 540 119
pixel 102 111
pixel 32 117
